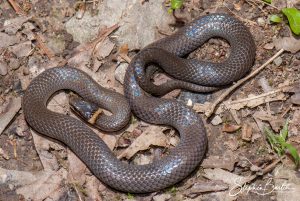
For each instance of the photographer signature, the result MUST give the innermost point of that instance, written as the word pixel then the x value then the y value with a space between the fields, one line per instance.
pixel 260 189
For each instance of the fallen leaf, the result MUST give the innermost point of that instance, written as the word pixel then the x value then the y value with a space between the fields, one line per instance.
pixel 230 128
pixel 247 132
pixel 104 49
pixel 8 111
pixel 153 135
pixel 275 121
pixel 232 144
pixel 7 40
pixel 225 176
pixel 294 127
pixel 77 169
pixel 290 44
pixel 22 49
pixel 35 185
pixel 225 162
pixel 11 26
pixel 206 186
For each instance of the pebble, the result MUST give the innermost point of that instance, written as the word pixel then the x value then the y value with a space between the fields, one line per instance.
pixel 120 72
pixel 278 61
pixel 216 120
pixel 269 46
pixel 261 21
pixel 14 63
pixel 3 68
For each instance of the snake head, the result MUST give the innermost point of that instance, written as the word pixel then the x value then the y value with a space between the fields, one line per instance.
pixel 86 110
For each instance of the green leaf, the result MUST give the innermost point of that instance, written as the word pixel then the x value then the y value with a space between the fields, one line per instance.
pixel 268 1
pixel 275 18
pixel 294 153
pixel 285 130
pixel 293 16
pixel 176 4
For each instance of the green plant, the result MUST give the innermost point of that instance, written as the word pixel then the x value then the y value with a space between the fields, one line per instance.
pixel 279 145
pixel 275 18
pixel 293 15
pixel 130 196
pixel 175 4
pixel 268 1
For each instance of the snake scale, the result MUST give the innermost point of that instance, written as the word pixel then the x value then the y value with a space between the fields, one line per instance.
pixel 168 53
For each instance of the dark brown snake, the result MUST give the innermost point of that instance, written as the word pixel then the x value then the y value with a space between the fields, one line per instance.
pixel 190 74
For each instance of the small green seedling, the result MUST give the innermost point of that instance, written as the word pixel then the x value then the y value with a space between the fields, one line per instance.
pixel 175 4
pixel 279 145
pixel 275 19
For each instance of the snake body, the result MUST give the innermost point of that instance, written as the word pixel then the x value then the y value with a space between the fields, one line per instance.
pixel 182 159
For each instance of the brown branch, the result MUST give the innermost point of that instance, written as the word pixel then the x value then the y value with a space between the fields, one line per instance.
pixel 212 107
pixel 17 7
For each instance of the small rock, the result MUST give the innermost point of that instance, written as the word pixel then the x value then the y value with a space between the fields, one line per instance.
pixel 3 68
pixel 14 63
pixel 296 99
pixel 162 197
pixel 278 61
pixel 120 72
pixel 216 120
pixel 261 21
pixel 269 46
pixel 26 71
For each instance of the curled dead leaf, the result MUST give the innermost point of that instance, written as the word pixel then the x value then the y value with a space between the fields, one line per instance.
pixel 153 135
pixel 230 128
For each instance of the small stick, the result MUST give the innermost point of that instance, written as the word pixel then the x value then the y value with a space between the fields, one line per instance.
pixel 210 111
pixel 16 7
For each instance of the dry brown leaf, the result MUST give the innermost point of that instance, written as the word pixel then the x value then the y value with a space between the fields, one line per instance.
pixel 48 185
pixel 275 121
pixel 294 126
pixel 225 176
pixel 290 44
pixel 8 111
pixel 92 185
pixel 232 144
pixel 153 135
pixel 230 128
pixel 22 49
pixel 104 49
pixel 7 40
pixel 226 162
pixel 11 26
pixel 77 169
pixel 35 185
pixel 206 186
pixel 247 132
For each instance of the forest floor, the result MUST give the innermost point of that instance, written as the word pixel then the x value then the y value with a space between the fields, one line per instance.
pixel 100 38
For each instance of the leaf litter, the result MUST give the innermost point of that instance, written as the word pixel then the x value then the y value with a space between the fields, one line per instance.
pixel 91 57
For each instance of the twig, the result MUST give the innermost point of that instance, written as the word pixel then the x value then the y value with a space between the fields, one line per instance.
pixel 102 35
pixel 16 7
pixel 269 4
pixel 47 51
pixel 211 109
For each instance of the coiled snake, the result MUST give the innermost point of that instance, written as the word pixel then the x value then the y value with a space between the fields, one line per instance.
pixel 189 74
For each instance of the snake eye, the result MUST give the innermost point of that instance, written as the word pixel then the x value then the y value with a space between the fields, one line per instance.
pixel 86 110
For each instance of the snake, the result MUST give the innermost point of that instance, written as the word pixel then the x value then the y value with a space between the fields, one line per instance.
pixel 142 97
